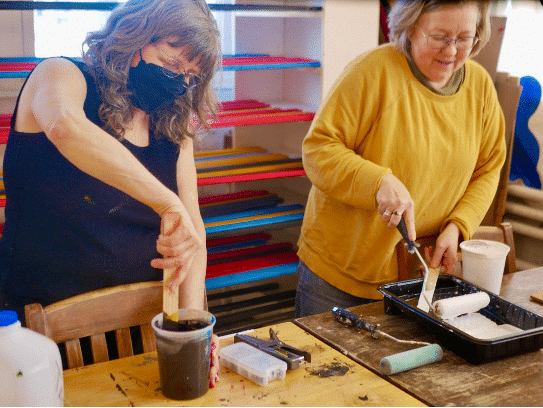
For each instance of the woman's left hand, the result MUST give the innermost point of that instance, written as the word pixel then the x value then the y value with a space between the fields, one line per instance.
pixel 446 251
pixel 179 245
pixel 215 362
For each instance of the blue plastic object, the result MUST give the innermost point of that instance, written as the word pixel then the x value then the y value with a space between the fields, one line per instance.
pixel 526 149
pixel 8 317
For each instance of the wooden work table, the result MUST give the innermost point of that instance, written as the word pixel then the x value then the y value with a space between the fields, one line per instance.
pixel 338 378
pixel 513 381
pixel 331 379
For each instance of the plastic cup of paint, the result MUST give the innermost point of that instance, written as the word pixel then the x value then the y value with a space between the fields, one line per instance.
pixel 483 263
pixel 184 356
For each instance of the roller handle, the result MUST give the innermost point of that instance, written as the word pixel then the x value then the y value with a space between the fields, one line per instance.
pixel 403 230
pixel 350 319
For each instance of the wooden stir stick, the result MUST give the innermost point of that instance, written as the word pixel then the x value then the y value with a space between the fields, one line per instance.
pixel 170 298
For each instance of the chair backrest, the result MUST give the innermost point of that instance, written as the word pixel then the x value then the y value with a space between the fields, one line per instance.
pixel 95 313
pixel 409 265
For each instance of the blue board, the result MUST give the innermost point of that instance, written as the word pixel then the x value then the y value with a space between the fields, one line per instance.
pixel 526 149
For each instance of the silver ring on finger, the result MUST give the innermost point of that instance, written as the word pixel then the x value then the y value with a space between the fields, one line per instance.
pixel 386 213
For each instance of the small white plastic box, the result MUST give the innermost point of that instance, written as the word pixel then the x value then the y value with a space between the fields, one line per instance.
pixel 252 363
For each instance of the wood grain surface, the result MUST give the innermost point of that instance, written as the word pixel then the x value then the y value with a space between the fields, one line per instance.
pixel 331 379
pixel 513 381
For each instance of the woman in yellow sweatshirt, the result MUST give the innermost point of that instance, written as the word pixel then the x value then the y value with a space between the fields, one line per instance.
pixel 412 129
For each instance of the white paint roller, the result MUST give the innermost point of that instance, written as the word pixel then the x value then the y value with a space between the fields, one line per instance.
pixel 455 306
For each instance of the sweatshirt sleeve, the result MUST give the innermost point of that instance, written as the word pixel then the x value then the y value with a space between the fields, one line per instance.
pixel 332 149
pixel 471 209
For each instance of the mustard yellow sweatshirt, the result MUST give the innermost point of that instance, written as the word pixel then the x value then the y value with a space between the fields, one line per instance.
pixel 379 119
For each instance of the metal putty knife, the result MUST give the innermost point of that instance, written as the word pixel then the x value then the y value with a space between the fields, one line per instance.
pixel 430 274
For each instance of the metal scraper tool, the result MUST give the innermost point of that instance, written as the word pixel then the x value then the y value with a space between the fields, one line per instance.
pixel 430 274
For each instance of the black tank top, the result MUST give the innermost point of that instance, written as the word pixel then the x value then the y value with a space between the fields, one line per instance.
pixel 66 232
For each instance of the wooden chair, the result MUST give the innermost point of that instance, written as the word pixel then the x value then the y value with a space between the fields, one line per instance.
pixel 95 313
pixel 409 265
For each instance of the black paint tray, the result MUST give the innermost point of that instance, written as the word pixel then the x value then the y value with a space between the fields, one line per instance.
pixel 403 296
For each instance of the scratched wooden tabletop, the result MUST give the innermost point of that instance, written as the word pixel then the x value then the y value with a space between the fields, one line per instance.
pixel 331 379
pixel 513 381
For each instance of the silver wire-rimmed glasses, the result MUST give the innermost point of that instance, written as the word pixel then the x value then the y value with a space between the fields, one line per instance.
pixel 438 42
pixel 173 68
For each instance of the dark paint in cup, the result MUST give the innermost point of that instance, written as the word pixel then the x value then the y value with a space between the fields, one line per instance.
pixel 184 355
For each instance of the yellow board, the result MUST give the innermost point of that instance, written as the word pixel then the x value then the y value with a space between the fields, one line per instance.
pixel 255 169
pixel 232 161
pixel 226 152
pixel 255 217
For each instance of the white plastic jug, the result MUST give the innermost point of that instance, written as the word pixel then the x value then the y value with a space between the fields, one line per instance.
pixel 30 366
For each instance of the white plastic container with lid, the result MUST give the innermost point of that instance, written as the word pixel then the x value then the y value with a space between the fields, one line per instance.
pixel 30 366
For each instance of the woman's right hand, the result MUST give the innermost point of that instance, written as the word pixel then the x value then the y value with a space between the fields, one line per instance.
pixel 393 202
pixel 178 245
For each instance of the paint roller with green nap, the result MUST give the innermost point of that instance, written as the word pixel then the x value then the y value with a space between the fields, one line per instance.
pixel 395 363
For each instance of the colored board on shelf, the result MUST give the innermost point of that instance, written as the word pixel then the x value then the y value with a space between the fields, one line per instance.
pixel 17 66
pixel 241 178
pixel 250 264
pixel 4 133
pixel 244 253
pixel 267 62
pixel 228 155
pixel 263 119
pixel 19 69
pixel 260 111
pixel 110 5
pixel 224 219
pixel 237 241
pixel 244 204
pixel 219 198
pixel 5 119
pixel 237 160
pixel 248 167
pixel 241 104
pixel 251 276
pixel 14 74
pixel 226 152
pixel 279 221
pixel 291 164
pixel 281 216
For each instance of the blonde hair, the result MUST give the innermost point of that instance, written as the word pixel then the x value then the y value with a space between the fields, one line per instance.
pixel 405 14
pixel 130 27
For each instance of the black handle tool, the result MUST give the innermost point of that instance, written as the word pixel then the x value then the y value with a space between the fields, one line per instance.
pixel 350 319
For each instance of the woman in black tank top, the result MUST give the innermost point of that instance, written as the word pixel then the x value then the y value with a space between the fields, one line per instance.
pixel 100 155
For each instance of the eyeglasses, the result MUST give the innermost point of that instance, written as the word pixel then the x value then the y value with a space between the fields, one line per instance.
pixel 438 42
pixel 172 68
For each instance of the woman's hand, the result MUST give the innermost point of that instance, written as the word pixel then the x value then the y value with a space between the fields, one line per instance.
pixel 446 250
pixel 215 361
pixel 393 202
pixel 177 245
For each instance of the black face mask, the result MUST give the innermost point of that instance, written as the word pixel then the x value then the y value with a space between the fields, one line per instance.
pixel 151 89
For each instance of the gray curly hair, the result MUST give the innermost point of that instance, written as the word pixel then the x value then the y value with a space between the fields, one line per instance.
pixel 405 14
pixel 130 27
